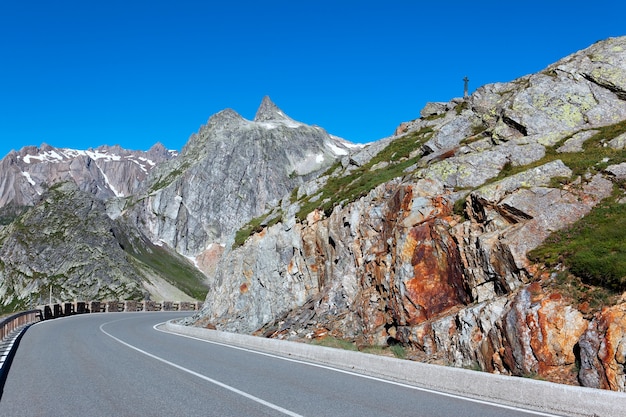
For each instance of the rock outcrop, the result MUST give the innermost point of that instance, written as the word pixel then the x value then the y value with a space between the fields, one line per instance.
pixel 435 259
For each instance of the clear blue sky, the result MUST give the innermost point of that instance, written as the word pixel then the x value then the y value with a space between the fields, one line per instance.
pixel 84 73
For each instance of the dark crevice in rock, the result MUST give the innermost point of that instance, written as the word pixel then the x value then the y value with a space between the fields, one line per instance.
pixel 515 125
pixel 512 214
pixel 621 94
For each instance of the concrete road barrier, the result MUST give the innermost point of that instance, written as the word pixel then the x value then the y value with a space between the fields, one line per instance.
pixel 525 393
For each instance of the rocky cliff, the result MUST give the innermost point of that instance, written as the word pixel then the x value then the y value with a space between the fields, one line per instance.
pixel 421 240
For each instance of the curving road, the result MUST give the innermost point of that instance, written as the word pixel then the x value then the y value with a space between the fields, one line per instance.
pixel 117 364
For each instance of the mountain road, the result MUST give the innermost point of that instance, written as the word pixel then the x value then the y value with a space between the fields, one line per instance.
pixel 121 364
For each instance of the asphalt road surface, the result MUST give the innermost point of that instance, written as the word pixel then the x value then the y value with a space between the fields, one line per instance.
pixel 118 364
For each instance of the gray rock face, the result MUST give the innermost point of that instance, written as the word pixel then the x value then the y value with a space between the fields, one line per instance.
pixel 397 265
pixel 585 89
pixel 229 172
pixel 618 142
pixel 575 143
pixel 105 171
pixel 617 170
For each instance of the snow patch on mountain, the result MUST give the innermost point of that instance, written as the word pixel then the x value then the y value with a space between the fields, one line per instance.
pixel 28 177
pixel 336 149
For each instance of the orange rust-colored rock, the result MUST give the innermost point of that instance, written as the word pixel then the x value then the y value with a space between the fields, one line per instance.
pixel 207 260
pixel 603 350
pixel 403 128
pixel 559 326
pixel 320 333
pixel 541 333
pixel 437 282
pixel 613 355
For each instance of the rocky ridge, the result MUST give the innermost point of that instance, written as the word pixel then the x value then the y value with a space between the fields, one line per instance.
pixel 435 259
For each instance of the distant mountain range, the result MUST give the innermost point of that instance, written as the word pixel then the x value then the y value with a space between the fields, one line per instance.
pixel 104 172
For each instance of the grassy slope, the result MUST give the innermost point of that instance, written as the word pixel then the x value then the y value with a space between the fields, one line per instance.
pixel 172 267
pixel 594 248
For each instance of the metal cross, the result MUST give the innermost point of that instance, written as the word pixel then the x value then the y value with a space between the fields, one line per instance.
pixel 465 87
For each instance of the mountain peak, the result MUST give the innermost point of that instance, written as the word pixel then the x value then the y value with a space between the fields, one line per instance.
pixel 268 111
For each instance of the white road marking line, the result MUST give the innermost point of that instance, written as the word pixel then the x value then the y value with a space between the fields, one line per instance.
pixel 206 378
pixel 445 394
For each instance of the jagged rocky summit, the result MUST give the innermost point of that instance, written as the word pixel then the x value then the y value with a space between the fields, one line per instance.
pixel 232 170
pixel 422 239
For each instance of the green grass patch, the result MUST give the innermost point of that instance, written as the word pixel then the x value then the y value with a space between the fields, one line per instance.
pixel 595 156
pixel 460 107
pixel 333 342
pixel 574 288
pixel 435 116
pixel 397 350
pixel 593 248
pixel 478 132
pixel 255 226
pixel 293 197
pixel 178 272
pixel 9 213
pixel 14 306
pixel 340 189
pixel 459 208
pixel 166 180
pixel 172 267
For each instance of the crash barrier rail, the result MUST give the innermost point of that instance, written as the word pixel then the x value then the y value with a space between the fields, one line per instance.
pixel 52 311
pixel 11 323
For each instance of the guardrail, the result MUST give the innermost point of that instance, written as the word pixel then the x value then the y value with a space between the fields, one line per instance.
pixel 11 323
pixel 11 330
pixel 52 311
